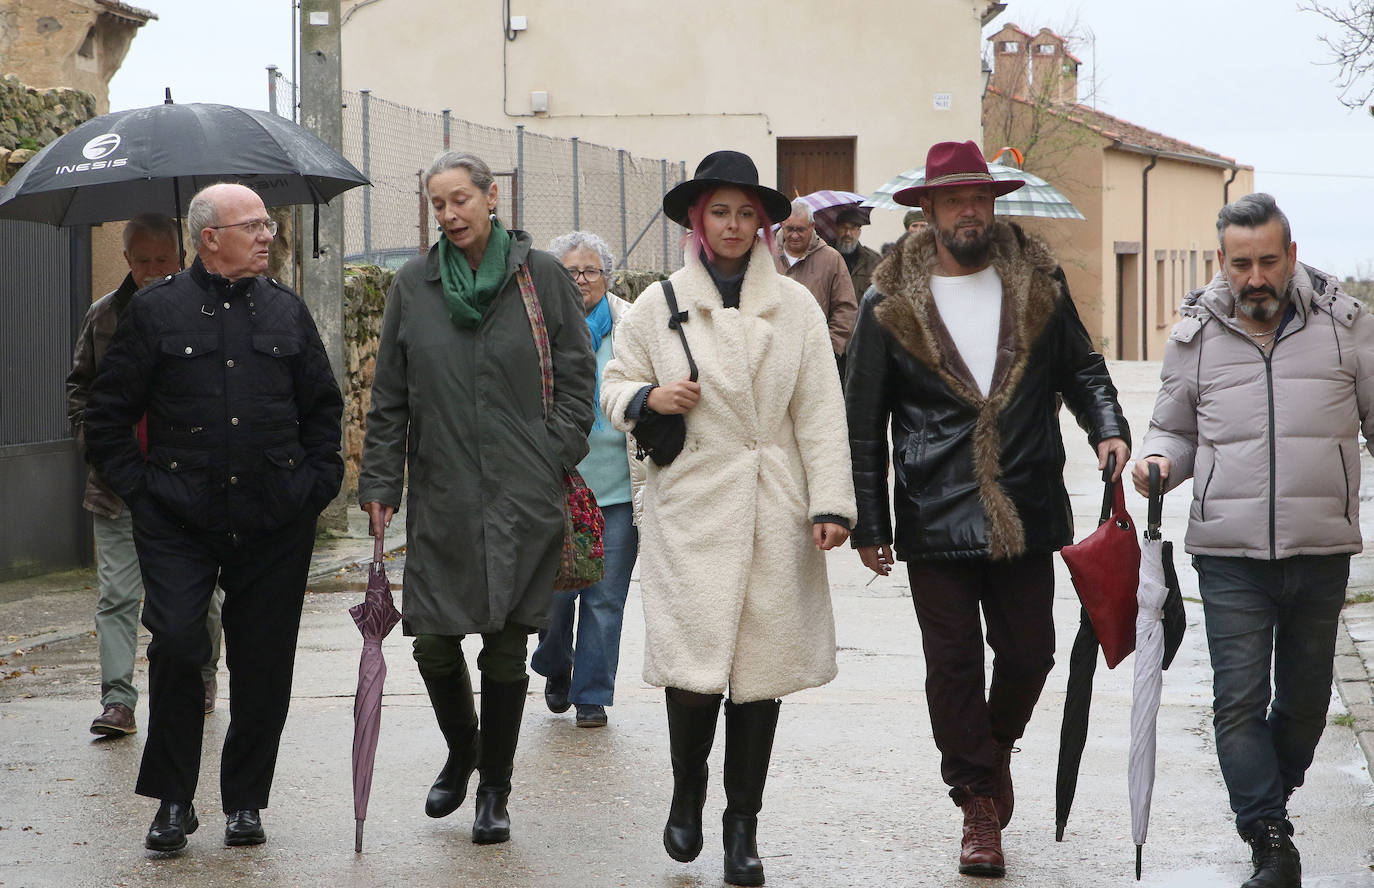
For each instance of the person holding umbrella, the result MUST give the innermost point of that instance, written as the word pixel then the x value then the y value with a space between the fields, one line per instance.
pixel 802 255
pixel 457 402
pixel 966 344
pixel 859 259
pixel 736 599
pixel 1267 382
pixel 150 250
pixel 243 422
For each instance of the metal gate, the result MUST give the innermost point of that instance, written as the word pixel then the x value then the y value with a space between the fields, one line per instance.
pixel 45 289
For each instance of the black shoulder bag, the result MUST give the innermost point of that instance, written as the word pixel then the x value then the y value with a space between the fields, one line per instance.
pixel 660 436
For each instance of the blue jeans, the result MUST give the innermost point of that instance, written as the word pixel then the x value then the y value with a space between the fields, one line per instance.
pixel 1282 611
pixel 593 663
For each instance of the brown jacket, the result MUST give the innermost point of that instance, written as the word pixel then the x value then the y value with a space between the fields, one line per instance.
pixel 823 272
pixel 96 331
pixel 861 274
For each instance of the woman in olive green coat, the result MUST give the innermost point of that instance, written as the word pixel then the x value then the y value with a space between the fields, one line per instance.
pixel 457 399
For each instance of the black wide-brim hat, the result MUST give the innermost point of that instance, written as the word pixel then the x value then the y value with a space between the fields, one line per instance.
pixel 721 168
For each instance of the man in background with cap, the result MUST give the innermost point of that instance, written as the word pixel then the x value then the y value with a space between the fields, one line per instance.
pixel 966 343
pixel 801 255
pixel 859 259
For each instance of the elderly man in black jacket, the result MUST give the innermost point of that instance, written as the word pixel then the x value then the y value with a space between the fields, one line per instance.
pixel 967 343
pixel 243 454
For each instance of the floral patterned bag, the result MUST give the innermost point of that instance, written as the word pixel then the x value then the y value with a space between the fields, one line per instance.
pixel 583 560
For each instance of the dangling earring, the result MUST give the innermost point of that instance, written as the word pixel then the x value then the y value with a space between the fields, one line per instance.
pixel 493 217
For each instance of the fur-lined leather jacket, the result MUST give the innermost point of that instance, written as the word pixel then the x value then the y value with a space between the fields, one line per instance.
pixel 976 477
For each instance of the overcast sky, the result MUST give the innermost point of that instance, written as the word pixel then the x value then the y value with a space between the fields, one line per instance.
pixel 1243 79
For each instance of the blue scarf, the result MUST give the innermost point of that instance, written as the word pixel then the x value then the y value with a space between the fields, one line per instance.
pixel 599 321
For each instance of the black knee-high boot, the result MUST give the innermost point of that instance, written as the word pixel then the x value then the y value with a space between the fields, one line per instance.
pixel 503 705
pixel 691 731
pixel 749 730
pixel 451 697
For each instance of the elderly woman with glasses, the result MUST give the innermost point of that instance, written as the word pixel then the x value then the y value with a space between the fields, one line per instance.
pixel 584 674
pixel 457 401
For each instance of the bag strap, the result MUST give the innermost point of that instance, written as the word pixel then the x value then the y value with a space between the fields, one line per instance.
pixel 675 321
pixel 541 334
pixel 1109 489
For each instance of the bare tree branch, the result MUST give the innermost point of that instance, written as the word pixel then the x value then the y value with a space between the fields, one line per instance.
pixel 1351 48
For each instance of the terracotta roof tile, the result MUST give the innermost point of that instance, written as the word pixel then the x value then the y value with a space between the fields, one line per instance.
pixel 1118 130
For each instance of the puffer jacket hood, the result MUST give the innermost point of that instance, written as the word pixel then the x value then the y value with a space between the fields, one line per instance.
pixel 1270 440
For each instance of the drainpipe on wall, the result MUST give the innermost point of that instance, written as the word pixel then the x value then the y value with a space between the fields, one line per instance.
pixel 1145 258
pixel 1226 189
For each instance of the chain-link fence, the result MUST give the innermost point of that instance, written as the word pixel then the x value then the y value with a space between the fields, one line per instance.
pixel 546 185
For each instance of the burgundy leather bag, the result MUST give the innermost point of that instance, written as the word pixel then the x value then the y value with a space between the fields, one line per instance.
pixel 1105 568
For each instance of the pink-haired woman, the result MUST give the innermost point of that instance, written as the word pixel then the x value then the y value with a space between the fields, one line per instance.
pixel 732 569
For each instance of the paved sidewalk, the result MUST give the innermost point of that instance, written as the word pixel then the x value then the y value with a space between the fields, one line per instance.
pixel 854 795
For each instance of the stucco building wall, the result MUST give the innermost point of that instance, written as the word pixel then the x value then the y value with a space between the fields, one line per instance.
pixel 681 80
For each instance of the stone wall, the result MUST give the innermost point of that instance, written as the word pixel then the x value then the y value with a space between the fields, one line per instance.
pixel 31 118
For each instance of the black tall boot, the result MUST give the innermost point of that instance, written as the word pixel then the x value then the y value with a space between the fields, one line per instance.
pixel 749 730
pixel 451 697
pixel 503 705
pixel 691 731
pixel 1277 863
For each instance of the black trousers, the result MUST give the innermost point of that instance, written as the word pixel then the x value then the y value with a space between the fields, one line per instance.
pixel 264 587
pixel 1017 598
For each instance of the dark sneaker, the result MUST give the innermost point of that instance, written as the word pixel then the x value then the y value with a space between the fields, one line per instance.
pixel 211 692
pixel 590 715
pixel 556 689
pixel 116 721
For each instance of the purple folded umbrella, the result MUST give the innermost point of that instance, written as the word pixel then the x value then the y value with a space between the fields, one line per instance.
pixel 376 615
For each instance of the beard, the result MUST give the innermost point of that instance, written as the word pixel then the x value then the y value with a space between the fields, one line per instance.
pixel 847 245
pixel 968 249
pixel 1261 310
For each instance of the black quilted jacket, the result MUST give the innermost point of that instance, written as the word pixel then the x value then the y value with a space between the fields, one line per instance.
pixel 243 410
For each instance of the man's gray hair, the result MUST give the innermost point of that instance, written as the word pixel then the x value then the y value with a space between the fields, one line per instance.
pixel 584 240
pixel 1251 211
pixel 153 225
pixel 804 208
pixel 202 214
pixel 477 168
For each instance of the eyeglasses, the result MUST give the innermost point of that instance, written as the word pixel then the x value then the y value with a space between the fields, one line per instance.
pixel 253 226
pixel 796 229
pixel 591 274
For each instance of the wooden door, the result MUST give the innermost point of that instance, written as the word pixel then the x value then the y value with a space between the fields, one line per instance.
pixel 807 165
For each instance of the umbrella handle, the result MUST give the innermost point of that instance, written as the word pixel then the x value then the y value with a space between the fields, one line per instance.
pixel 378 548
pixel 1155 515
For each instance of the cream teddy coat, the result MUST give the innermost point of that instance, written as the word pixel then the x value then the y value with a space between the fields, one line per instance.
pixel 736 596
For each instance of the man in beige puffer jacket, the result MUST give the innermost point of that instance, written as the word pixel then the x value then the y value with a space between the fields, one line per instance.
pixel 1267 382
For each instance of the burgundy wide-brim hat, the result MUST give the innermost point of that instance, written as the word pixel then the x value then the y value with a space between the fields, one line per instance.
pixel 950 164
pixel 720 168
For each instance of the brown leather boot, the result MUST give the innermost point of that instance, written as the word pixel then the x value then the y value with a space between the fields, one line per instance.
pixel 1005 800
pixel 981 851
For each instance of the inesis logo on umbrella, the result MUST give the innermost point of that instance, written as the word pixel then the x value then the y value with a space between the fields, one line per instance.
pixel 95 151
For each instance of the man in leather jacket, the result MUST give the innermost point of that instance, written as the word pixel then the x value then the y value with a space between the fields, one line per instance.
pixel 967 343
pixel 243 426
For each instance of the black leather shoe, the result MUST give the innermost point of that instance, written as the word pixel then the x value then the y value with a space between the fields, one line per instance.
pixel 173 822
pixel 244 828
pixel 556 689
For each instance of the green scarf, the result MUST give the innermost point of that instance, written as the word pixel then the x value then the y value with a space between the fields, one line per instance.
pixel 469 295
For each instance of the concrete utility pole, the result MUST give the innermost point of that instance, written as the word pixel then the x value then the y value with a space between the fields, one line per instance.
pixel 322 113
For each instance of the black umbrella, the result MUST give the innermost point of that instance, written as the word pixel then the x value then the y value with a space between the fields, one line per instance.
pixel 153 160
